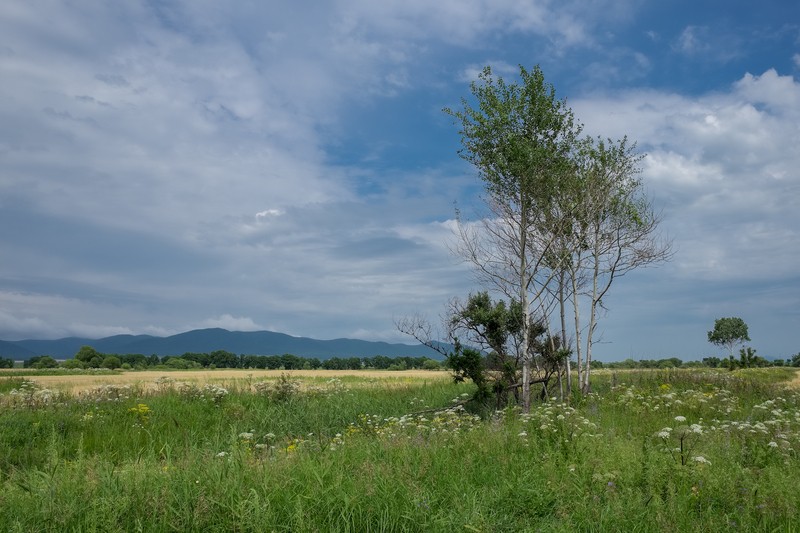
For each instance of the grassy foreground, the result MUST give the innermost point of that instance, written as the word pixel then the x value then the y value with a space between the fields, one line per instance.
pixel 682 450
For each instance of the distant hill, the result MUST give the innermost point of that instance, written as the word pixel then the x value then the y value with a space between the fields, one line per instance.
pixel 209 340
pixel 12 350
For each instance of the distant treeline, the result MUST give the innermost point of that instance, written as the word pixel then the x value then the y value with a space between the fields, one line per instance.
pixel 747 359
pixel 88 357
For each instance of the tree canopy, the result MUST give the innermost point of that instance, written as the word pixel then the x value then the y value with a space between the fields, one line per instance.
pixel 728 332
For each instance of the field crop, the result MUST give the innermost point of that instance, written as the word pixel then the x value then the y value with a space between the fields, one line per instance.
pixel 679 450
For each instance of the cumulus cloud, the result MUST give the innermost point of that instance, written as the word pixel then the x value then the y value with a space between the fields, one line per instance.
pixel 232 323
pixel 724 168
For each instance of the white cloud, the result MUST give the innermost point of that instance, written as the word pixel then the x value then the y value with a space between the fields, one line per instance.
pixel 499 68
pixel 724 166
pixel 267 213
pixel 232 323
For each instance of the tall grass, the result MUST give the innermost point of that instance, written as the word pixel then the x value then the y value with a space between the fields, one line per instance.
pixel 343 457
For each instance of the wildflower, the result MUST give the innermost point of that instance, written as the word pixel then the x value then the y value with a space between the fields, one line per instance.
pixel 701 460
pixel 680 418
pixel 246 435
pixel 522 434
pixel 772 444
pixel 222 454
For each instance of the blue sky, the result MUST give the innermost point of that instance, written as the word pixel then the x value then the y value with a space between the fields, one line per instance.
pixel 168 165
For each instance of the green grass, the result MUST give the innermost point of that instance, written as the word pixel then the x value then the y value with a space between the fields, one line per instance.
pixel 343 457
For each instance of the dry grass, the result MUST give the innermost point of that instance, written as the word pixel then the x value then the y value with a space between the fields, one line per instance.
pixel 147 378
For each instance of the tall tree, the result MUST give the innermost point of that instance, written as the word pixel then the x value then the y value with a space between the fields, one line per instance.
pixel 729 332
pixel 519 137
pixel 614 231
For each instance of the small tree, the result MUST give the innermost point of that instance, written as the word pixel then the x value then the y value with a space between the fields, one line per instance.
pixel 44 361
pixel 728 332
pixel 86 354
pixel 73 363
pixel 112 362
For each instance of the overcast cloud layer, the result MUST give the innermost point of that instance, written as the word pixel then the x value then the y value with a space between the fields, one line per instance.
pixel 172 165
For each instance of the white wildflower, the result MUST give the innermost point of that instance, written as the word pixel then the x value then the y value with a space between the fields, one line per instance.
pixel 680 418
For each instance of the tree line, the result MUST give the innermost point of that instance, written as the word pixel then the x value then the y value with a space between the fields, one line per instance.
pixel 747 359
pixel 88 357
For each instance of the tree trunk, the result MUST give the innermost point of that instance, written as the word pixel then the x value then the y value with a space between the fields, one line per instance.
pixel 563 304
pixel 523 289
pixel 577 313
pixel 585 388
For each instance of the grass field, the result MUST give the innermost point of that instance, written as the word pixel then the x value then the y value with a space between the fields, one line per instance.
pixel 145 379
pixel 680 450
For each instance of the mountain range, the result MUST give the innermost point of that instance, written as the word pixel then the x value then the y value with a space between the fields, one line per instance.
pixel 209 340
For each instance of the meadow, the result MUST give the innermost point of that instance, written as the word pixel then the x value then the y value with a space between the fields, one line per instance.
pixel 648 450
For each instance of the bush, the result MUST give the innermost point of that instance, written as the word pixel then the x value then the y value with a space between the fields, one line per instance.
pixel 41 361
pixel 111 362
pixel 73 363
pixel 431 364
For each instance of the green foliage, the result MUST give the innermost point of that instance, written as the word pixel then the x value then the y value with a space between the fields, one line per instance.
pixel 73 364
pixel 41 361
pixel 468 364
pixel 661 450
pixel 431 364
pixel 111 362
pixel 498 328
pixel 86 354
pixel 728 332
pixel 518 137
pixel 6 363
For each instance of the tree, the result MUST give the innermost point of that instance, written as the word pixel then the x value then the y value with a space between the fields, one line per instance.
pixel 86 354
pixel 728 332
pixel 565 217
pixel 42 361
pixel 613 230
pixel 73 364
pixel 519 138
pixel 111 362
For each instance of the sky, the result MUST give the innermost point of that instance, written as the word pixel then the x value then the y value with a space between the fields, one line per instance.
pixel 171 165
